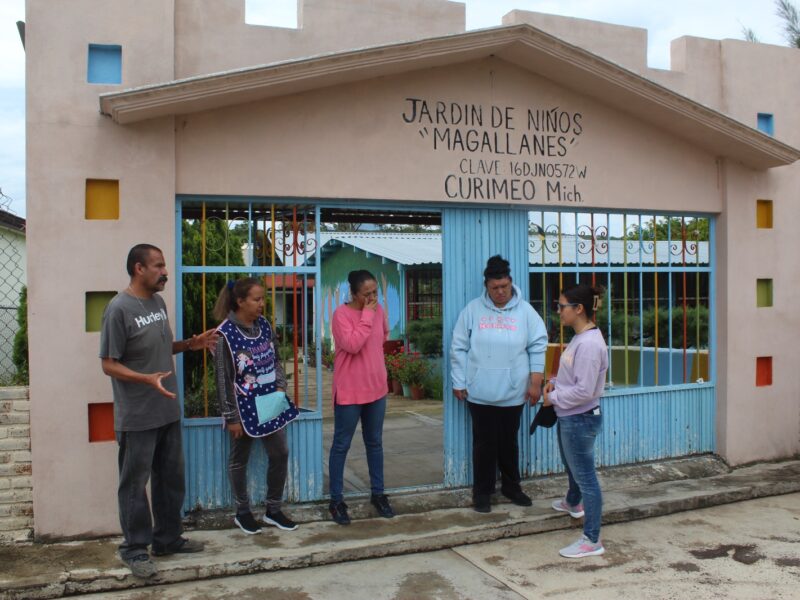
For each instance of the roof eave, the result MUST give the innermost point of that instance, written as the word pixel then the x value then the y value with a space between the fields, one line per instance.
pixel 522 44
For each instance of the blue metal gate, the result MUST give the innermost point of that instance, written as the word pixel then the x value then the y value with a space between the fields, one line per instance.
pixel 640 424
pixel 206 442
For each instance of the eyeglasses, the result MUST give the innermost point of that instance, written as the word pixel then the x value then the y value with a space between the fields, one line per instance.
pixel 561 307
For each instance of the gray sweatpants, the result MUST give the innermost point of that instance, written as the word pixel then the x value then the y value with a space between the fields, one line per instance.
pixel 278 456
pixel 157 455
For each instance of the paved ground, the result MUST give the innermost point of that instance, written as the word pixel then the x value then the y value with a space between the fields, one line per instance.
pixel 413 447
pixel 412 438
pixel 440 522
pixel 744 550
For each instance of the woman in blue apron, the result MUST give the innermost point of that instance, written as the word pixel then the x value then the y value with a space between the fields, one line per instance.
pixel 251 390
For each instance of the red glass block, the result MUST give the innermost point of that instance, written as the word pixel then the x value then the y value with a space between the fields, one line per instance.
pixel 101 422
pixel 763 371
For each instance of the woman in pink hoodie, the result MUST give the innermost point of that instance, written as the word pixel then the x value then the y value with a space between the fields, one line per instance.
pixel 359 390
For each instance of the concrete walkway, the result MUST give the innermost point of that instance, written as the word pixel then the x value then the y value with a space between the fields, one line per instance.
pixel 427 522
pixel 743 550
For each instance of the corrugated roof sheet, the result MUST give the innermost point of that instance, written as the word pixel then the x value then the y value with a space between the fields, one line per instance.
pixel 426 249
pixel 404 248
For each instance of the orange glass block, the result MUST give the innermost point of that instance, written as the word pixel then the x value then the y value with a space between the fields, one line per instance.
pixel 764 214
pixel 763 371
pixel 101 422
pixel 102 199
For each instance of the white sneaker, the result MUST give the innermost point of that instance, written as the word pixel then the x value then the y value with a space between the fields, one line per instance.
pixel 583 547
pixel 576 512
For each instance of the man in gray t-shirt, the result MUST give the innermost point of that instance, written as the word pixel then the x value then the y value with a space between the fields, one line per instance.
pixel 136 348
pixel 136 333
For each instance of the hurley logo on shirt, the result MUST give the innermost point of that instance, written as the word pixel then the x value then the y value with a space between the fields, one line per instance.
pixel 153 317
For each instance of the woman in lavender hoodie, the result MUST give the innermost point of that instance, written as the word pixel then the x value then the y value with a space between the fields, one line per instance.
pixel 575 394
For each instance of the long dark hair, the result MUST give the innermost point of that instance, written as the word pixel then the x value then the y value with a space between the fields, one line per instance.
pixel 590 297
pixel 231 293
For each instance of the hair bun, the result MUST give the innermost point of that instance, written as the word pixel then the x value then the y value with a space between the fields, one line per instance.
pixel 497 267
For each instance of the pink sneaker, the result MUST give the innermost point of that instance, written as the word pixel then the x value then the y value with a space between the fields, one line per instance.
pixel 576 512
pixel 583 547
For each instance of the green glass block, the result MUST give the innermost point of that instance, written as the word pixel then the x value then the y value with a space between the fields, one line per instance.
pixel 95 305
pixel 764 293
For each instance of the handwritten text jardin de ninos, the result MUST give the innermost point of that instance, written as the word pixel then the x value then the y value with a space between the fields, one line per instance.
pixel 533 133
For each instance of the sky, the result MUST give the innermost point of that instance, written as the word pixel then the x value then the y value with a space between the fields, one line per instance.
pixel 665 21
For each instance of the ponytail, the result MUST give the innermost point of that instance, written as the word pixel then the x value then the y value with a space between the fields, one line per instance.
pixel 590 297
pixel 230 294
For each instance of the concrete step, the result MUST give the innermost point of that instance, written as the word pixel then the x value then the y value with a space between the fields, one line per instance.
pixel 426 522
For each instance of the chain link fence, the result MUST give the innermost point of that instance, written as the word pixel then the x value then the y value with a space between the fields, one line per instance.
pixel 12 281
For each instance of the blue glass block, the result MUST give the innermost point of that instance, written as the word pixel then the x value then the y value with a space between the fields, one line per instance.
pixel 766 123
pixel 105 64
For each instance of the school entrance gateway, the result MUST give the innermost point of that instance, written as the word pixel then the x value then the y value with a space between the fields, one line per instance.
pixel 294 155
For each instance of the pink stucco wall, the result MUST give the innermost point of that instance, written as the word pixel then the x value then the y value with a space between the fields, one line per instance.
pixel 283 147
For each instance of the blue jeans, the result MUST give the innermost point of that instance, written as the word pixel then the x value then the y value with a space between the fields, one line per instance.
pixel 576 436
pixel 345 420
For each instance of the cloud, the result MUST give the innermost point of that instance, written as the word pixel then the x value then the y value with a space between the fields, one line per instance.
pixel 12 146
pixel 277 13
pixel 13 72
pixel 665 21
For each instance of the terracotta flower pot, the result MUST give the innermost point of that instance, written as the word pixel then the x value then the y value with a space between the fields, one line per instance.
pixel 397 387
pixel 417 392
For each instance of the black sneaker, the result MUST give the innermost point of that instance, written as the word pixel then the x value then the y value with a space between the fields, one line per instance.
pixel 247 523
pixel 519 498
pixel 338 511
pixel 279 520
pixel 482 504
pixel 181 546
pixel 382 504
pixel 141 566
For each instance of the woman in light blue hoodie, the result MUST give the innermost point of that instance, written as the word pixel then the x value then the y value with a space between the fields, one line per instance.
pixel 497 364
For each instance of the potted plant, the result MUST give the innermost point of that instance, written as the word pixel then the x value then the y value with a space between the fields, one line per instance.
pixel 394 363
pixel 413 374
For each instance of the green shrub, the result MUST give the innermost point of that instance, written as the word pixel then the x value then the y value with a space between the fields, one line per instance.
pixel 19 354
pixel 426 336
pixel 693 313
pixel 194 398
pixel 433 386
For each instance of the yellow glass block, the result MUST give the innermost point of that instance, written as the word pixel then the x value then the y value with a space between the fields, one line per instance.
pixel 102 199
pixel 764 214
pixel 96 303
pixel 763 293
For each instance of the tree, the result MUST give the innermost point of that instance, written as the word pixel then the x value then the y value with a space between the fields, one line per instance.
pixel 790 16
pixel 671 228
pixel 223 248
pixel 750 35
pixel 791 22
